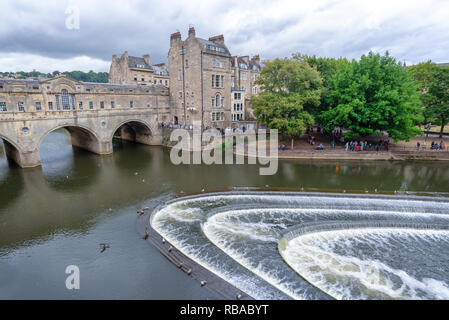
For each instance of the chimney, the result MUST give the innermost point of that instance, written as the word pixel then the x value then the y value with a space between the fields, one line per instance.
pixel 256 59
pixel 146 58
pixel 191 32
pixel 174 37
pixel 217 39
pixel 245 59
pixel 125 55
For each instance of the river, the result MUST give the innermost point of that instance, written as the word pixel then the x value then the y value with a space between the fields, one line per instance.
pixel 59 214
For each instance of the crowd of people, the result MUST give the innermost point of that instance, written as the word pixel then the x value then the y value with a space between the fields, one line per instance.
pixel 382 145
pixel 433 146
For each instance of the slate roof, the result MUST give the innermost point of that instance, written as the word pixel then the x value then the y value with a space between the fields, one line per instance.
pixel 159 70
pixel 210 44
pixel 135 61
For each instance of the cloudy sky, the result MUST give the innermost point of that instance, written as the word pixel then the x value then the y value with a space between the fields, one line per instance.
pixel 43 35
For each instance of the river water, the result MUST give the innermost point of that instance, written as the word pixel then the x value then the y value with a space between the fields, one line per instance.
pixel 58 215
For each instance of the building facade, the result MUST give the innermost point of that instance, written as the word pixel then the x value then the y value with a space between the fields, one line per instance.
pixel 137 71
pixel 60 94
pixel 245 73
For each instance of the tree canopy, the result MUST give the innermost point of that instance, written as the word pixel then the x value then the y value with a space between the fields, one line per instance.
pixel 373 95
pixel 288 89
pixel 434 87
pixel 90 76
pixel 327 67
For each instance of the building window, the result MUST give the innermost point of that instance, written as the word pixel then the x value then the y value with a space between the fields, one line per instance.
pixel 218 63
pixel 21 106
pixel 237 96
pixel 148 104
pixel 143 78
pixel 218 100
pixel 150 78
pixel 180 94
pixel 101 104
pixel 58 106
pixel 91 105
pixel 166 83
pixel 38 106
pixel 131 104
pixel 193 94
pixel 112 104
pixel 65 99
pixel 50 106
pixel 179 75
pixel 73 102
pixel 217 81
pixel 3 107
pixel 217 116
pixel 244 76
pixel 135 77
pixel 80 105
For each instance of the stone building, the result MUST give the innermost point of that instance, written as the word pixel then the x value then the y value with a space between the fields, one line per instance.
pixel 91 112
pixel 60 94
pixel 138 71
pixel 200 80
pixel 245 73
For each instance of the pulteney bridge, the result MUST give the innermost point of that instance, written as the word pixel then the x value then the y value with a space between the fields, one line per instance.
pixel 92 114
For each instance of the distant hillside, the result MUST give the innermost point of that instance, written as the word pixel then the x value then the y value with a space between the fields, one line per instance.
pixel 76 75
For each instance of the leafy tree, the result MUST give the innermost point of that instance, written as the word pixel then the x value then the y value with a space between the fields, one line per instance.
pixel 434 86
pixel 373 95
pixel 288 88
pixel 327 67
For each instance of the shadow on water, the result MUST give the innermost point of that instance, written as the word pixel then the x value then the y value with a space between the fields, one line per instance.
pixel 11 180
pixel 66 168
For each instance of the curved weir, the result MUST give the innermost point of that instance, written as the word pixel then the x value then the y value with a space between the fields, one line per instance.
pixel 277 245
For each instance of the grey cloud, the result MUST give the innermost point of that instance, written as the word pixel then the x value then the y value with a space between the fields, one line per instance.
pixel 331 28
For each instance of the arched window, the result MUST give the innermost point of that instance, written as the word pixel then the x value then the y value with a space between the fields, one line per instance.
pixel 65 99
pixel 218 100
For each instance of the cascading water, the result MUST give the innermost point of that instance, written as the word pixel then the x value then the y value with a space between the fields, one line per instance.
pixel 315 246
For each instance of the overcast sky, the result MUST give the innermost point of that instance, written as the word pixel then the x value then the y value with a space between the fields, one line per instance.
pixel 34 34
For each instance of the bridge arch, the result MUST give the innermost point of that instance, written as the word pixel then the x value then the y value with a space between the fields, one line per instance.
pixel 81 136
pixel 135 130
pixel 12 150
pixel 10 141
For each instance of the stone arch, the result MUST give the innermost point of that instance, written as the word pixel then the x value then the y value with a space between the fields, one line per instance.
pixel 135 130
pixel 13 150
pixel 10 141
pixel 82 137
pixel 73 129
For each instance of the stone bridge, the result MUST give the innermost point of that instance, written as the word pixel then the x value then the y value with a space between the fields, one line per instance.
pixel 93 130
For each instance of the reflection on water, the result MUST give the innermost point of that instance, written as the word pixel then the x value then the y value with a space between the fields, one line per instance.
pixel 58 214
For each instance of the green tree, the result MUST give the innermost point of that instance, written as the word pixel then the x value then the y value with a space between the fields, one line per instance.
pixel 434 87
pixel 288 88
pixel 327 67
pixel 371 96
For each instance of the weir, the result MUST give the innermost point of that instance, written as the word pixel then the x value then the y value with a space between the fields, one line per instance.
pixel 249 229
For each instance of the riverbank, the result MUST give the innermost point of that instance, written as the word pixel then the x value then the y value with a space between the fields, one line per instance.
pixel 207 279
